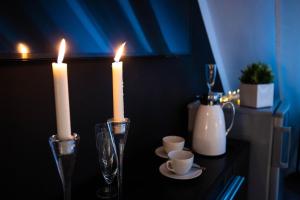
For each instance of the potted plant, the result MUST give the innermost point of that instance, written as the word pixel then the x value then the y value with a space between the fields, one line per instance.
pixel 257 87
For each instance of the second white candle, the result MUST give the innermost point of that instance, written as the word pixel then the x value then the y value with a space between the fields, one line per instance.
pixel 117 78
pixel 61 91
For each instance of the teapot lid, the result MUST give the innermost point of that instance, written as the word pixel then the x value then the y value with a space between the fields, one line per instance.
pixel 212 98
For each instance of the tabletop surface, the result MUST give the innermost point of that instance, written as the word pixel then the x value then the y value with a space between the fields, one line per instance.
pixel 142 179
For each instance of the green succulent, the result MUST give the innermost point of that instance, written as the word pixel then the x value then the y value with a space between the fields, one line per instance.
pixel 257 73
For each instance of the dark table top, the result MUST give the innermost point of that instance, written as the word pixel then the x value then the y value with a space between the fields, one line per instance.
pixel 142 179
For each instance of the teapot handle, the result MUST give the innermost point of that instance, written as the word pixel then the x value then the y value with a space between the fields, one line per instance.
pixel 233 114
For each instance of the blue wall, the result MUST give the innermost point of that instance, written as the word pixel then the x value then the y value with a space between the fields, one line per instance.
pixel 289 61
pixel 150 27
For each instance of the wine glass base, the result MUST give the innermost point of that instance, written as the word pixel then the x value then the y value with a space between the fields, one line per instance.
pixel 106 192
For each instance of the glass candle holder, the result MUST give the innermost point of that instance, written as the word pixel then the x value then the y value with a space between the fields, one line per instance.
pixel 119 131
pixel 64 153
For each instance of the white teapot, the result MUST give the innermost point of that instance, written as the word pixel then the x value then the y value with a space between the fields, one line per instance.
pixel 209 134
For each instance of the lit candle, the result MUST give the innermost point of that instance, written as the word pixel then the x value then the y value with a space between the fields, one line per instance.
pixel 117 78
pixel 60 76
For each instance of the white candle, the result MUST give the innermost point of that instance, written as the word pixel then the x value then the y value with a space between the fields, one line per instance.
pixel 60 76
pixel 117 78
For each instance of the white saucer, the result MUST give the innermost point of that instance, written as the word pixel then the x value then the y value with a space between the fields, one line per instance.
pixel 159 151
pixel 193 173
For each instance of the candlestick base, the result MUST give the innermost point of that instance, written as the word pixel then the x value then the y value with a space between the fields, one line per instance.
pixel 120 131
pixel 64 153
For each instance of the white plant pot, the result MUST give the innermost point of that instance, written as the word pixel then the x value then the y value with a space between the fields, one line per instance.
pixel 257 96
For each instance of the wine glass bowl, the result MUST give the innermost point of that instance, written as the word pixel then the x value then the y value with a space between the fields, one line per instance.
pixel 107 157
pixel 210 74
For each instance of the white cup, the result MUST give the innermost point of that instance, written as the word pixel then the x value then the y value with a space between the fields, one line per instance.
pixel 171 143
pixel 180 161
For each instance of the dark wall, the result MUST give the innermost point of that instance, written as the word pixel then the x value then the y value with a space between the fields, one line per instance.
pixel 157 90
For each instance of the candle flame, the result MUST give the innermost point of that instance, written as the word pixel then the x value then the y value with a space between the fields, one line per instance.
pixel 61 53
pixel 22 48
pixel 119 52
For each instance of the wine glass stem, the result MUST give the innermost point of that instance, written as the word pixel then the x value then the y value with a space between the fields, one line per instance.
pixel 67 190
pixel 120 174
pixel 109 188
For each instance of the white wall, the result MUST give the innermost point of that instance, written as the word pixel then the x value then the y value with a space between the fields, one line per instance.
pixel 240 32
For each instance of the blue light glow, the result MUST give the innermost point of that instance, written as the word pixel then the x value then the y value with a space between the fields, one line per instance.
pixel 94 30
pixel 173 22
pixel 134 22
pixel 97 27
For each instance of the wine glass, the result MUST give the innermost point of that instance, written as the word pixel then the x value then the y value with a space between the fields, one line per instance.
pixel 210 73
pixel 108 160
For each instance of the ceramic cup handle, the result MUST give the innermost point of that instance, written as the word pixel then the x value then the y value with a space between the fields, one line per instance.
pixel 233 114
pixel 169 166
